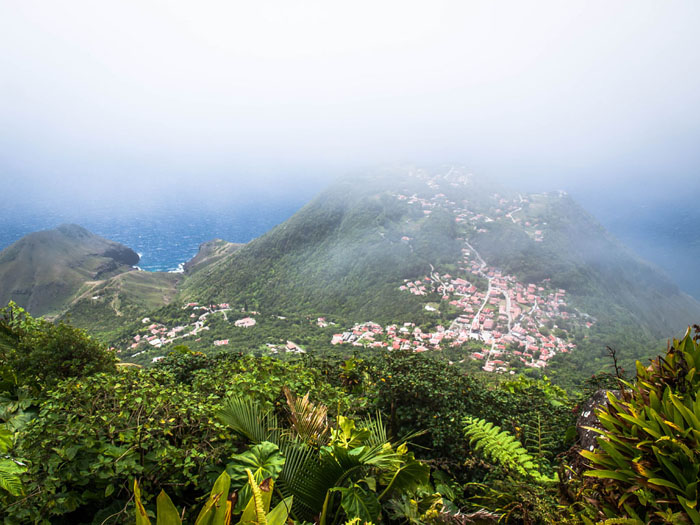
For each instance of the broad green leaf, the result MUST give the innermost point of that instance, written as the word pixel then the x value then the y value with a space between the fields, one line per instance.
pixel 5 439
pixel 408 477
pixel 664 483
pixel 166 511
pixel 278 515
pixel 346 435
pixel 359 503
pixel 264 461
pixel 610 474
pixel 690 507
pixel 214 510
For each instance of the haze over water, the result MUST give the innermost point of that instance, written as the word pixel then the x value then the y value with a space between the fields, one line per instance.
pixel 149 115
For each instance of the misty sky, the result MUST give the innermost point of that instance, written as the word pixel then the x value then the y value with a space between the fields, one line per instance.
pixel 139 94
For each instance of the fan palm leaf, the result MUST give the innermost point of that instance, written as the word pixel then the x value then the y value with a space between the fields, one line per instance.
pixel 248 419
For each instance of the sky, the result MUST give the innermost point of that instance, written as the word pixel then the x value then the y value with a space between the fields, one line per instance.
pixel 151 92
pixel 130 99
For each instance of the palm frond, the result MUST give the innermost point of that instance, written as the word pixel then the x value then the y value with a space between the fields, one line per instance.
pixel 376 453
pixel 377 430
pixel 248 419
pixel 307 476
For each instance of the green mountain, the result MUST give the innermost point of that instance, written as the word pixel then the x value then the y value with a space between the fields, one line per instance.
pixel 70 273
pixel 455 263
pixel 43 271
pixel 347 252
pixel 344 253
pixel 579 255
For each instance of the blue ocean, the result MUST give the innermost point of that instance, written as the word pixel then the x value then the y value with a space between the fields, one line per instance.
pixel 164 238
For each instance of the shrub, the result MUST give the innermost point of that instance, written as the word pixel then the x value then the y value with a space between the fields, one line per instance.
pixel 94 435
pixel 264 378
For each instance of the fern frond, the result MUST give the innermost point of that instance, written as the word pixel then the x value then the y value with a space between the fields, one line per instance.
pixel 503 448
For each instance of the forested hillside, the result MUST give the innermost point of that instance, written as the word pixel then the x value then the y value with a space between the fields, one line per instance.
pixel 431 260
pixel 349 252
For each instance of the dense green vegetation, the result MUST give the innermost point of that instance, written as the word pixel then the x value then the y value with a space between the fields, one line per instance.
pixel 392 437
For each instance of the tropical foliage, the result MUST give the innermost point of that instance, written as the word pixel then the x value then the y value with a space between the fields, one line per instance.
pixel 218 509
pixel 38 353
pixel 332 438
pixel 647 464
pixel 346 471
pixel 503 448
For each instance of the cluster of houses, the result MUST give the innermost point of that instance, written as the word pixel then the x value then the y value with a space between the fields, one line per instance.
pixel 502 209
pixel 321 322
pixel 158 335
pixel 290 347
pixel 404 337
pixel 510 318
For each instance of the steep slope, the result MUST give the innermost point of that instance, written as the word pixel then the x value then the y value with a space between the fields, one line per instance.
pixel 209 252
pixel 577 254
pixel 44 270
pixel 342 253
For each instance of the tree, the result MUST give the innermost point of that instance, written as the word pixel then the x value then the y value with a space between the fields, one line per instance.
pixel 40 353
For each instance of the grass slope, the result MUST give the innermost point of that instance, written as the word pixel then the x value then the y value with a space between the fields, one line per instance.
pixel 105 307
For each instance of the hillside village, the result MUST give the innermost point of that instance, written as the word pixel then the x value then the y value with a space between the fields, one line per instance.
pixel 155 335
pixel 158 335
pixel 508 317
pixel 510 321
